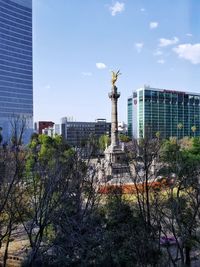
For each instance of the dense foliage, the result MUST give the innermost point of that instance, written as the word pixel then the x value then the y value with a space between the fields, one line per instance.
pixel 51 191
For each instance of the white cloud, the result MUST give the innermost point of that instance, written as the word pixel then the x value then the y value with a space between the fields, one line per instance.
pixel 166 42
pixel 117 8
pixel 189 52
pixel 101 65
pixel 161 61
pixel 189 34
pixel 47 86
pixel 86 73
pixel 142 9
pixel 153 24
pixel 139 47
pixel 158 53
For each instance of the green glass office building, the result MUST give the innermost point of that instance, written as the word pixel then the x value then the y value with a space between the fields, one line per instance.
pixel 170 113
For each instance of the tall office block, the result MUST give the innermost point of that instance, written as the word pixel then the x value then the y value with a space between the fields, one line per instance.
pixel 130 116
pixel 167 112
pixel 16 79
pixel 76 133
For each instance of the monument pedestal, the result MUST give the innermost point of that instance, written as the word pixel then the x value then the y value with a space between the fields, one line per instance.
pixel 116 167
pixel 114 154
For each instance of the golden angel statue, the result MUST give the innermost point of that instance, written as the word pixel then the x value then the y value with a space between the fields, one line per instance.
pixel 115 77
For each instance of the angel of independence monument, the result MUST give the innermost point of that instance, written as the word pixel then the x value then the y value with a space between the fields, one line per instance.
pixel 114 154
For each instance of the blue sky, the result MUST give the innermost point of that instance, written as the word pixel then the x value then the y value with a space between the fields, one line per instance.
pixel 76 43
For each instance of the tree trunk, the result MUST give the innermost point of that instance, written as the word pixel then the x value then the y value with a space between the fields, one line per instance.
pixel 187 256
pixel 5 257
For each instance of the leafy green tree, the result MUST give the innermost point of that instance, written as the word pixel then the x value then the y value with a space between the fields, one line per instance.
pixel 45 180
pixel 62 204
pixel 195 149
pixel 104 141
pixel 186 142
pixel 118 246
pixel 126 241
pixel 124 138
pixel 180 216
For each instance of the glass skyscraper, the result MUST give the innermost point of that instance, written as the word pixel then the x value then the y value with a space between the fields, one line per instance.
pixel 130 117
pixel 16 80
pixel 167 112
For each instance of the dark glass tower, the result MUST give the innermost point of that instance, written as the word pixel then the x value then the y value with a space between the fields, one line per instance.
pixel 16 79
pixel 130 117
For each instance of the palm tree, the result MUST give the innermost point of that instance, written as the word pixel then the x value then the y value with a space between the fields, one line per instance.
pixel 194 128
pixel 158 134
pixel 180 127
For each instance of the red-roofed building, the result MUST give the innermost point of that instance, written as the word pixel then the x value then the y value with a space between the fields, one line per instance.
pixel 41 125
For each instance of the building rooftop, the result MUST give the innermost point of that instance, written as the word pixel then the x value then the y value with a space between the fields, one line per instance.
pixel 147 87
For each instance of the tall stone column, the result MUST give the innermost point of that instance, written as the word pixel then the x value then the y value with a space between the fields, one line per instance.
pixel 114 153
pixel 114 95
pixel 115 159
